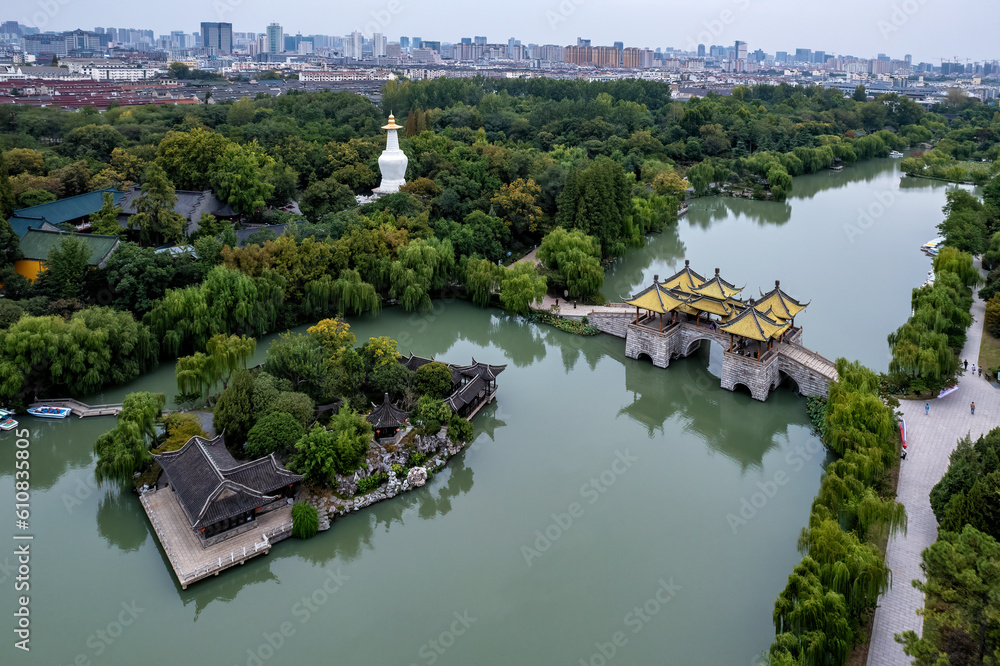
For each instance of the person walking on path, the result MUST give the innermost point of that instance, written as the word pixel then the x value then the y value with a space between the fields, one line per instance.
pixel 966 364
pixel 980 371
pixel 927 409
pixel 973 407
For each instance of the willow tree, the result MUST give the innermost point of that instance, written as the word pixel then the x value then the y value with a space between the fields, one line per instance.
pixel 195 375
pixel 348 294
pixel 228 354
pixel 574 257
pixel 482 280
pixel 124 450
pixel 422 266
pixel 811 620
pixel 520 286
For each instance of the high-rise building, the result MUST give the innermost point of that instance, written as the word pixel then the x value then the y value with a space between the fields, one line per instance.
pixel 416 43
pixel 908 59
pixel 466 40
pixel 819 57
pixel 404 43
pixel 803 55
pixel 218 36
pixel 275 39
pixel 740 51
pixel 701 50
pixel 581 42
pixel 479 39
pixel 378 45
pixel 781 57
pixel 353 45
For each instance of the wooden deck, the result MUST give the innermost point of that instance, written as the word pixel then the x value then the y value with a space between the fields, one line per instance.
pixel 81 409
pixel 189 560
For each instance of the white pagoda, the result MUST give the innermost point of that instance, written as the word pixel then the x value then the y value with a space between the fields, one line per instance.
pixel 392 162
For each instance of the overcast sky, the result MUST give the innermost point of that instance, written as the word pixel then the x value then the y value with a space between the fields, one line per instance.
pixel 927 29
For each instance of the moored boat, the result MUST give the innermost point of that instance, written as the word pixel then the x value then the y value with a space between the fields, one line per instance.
pixel 49 412
pixel 933 244
pixel 7 423
pixel 895 153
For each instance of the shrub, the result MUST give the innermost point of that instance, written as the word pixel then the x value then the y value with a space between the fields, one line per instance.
pixel 399 471
pixel 299 405
pixel 179 429
pixel 459 429
pixel 370 483
pixel 432 414
pixel 433 379
pixel 305 520
pixel 277 431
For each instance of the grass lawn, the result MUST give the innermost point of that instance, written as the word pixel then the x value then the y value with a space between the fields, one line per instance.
pixel 989 354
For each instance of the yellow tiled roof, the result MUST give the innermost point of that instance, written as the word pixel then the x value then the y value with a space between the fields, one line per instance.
pixel 685 279
pixel 781 304
pixel 716 287
pixel 656 299
pixel 754 325
pixel 716 306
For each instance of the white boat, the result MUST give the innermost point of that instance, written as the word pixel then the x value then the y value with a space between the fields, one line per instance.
pixel 7 423
pixel 933 244
pixel 5 413
pixel 895 153
pixel 49 412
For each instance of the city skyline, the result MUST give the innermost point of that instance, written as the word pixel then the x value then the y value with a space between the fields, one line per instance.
pixel 860 29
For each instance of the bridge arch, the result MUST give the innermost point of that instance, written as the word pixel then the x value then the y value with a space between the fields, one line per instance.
pixel 788 380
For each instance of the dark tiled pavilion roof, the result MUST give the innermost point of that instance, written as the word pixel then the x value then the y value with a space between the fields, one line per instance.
pixel 387 415
pixel 212 486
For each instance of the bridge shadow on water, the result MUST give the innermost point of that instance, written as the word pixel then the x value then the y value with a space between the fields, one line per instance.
pixel 730 422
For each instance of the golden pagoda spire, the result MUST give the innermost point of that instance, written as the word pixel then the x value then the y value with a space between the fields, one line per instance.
pixel 392 123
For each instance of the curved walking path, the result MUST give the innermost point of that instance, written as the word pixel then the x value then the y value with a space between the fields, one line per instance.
pixel 931 439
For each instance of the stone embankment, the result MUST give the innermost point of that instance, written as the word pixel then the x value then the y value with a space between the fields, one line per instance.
pixel 438 449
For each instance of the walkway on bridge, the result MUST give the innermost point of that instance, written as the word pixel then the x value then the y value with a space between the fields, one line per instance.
pixel 930 440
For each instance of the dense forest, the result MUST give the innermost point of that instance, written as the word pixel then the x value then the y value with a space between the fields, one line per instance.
pixel 583 171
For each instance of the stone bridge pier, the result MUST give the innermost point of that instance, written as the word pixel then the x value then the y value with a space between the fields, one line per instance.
pixel 811 372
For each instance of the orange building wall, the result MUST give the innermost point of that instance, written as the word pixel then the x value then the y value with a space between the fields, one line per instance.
pixel 29 268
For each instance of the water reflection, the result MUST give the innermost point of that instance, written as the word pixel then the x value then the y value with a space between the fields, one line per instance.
pixel 121 520
pixel 56 446
pixel 625 272
pixel 732 423
pixel 705 212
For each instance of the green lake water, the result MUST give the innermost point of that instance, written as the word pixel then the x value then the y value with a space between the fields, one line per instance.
pixel 596 504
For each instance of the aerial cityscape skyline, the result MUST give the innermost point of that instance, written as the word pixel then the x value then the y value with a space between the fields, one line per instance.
pixel 894 28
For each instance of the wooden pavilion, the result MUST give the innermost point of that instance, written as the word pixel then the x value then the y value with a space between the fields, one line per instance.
pixel 221 496
pixel 387 419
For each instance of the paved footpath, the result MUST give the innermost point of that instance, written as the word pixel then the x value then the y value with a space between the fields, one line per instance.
pixel 931 439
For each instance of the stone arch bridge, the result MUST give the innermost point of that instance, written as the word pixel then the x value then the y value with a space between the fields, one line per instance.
pixel 662 342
